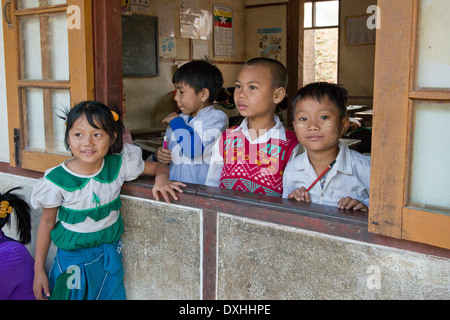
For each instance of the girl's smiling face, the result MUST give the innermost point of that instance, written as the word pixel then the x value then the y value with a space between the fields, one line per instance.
pixel 318 125
pixel 89 146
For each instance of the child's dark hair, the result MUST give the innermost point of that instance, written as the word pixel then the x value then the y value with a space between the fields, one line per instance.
pixel 10 200
pixel 200 74
pixel 318 90
pixel 97 113
pixel 278 70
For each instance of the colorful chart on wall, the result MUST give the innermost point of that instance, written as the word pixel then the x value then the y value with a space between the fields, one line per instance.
pixel 269 43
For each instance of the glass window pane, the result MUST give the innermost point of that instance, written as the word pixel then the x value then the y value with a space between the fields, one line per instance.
pixel 34 106
pixel 430 176
pixel 45 47
pixel 433 45
pixel 27 4
pixel 58 47
pixel 31 48
pixel 34 117
pixel 60 104
pixel 308 15
pixel 327 13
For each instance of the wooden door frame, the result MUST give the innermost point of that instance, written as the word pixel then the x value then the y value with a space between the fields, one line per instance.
pixel 107 28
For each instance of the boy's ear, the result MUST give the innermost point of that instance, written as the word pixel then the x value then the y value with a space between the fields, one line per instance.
pixel 280 93
pixel 204 94
pixel 345 125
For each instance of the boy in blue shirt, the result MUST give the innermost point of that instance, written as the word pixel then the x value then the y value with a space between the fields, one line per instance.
pixel 192 133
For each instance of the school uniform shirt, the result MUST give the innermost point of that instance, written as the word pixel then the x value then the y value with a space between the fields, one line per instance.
pixel 191 140
pixel 88 213
pixel 349 177
pixel 252 166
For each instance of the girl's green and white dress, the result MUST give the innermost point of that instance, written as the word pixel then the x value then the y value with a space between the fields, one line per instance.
pixel 89 225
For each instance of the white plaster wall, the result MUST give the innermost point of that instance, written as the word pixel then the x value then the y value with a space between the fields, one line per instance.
pixel 4 146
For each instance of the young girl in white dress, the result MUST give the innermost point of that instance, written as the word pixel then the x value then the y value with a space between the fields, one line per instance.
pixel 83 193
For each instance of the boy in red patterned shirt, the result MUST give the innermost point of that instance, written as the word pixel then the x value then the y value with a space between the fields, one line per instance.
pixel 252 157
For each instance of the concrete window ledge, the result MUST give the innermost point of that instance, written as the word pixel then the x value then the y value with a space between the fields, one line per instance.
pixel 323 219
pixel 257 247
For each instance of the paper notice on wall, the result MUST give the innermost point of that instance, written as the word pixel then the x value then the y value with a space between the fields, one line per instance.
pixel 194 22
pixel 223 30
pixel 167 47
pixel 199 49
pixel 140 6
pixel 269 43
pixel 166 20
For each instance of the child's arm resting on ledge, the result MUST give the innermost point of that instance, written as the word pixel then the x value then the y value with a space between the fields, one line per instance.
pixel 162 182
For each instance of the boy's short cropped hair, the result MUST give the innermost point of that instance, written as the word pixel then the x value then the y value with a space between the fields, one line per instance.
pixel 199 75
pixel 278 70
pixel 318 90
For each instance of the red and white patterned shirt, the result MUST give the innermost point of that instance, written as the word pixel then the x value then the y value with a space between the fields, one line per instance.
pixel 257 166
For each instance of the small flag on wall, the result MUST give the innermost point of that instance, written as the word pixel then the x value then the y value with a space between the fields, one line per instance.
pixel 223 19
pixel 223 30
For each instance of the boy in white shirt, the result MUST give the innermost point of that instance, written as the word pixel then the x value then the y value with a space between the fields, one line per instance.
pixel 328 172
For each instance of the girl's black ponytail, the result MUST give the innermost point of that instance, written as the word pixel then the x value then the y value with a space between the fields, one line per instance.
pixel 9 201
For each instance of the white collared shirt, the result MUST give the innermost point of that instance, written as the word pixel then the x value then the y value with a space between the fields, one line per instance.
pixel 216 164
pixel 349 177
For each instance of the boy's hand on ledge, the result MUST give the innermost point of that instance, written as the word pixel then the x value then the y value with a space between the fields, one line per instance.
pixel 350 203
pixel 166 187
pixel 300 195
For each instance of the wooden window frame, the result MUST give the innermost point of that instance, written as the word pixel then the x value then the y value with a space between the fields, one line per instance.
pixel 390 212
pixel 81 83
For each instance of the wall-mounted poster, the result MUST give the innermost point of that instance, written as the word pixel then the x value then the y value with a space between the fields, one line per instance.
pixel 223 30
pixel 194 22
pixel 126 6
pixel 135 6
pixel 166 20
pixel 167 47
pixel 269 43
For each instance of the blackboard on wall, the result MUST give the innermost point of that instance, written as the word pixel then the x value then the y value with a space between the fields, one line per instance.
pixel 140 44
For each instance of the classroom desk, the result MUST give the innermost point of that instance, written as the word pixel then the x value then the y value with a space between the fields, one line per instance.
pixel 143 134
pixel 366 117
pixel 351 143
pixel 352 109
